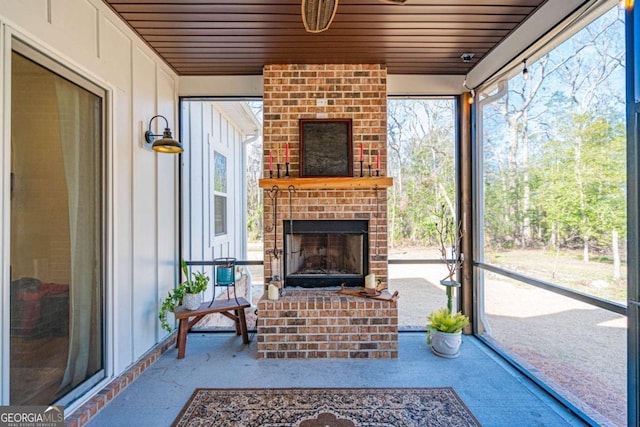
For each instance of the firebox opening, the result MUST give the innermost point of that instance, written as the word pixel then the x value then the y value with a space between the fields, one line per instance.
pixel 325 253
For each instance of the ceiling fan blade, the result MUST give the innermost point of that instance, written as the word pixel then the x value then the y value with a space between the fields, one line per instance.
pixel 318 14
pixel 395 1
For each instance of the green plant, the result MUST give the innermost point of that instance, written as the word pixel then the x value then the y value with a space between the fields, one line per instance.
pixel 442 320
pixel 174 298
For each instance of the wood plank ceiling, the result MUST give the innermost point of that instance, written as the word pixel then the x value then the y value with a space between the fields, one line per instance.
pixel 237 37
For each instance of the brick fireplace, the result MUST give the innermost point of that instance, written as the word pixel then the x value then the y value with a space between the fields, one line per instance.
pixel 330 91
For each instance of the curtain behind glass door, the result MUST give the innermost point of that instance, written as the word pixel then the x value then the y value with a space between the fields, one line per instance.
pixel 57 338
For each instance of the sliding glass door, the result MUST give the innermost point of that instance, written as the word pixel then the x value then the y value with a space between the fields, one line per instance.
pixel 56 289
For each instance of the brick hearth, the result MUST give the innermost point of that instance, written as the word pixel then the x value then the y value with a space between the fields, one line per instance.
pixel 325 324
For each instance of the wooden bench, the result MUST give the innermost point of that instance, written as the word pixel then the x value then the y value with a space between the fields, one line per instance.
pixel 231 308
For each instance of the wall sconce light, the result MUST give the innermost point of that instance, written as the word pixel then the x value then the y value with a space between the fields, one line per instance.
pixel 525 71
pixel 166 144
pixel 625 4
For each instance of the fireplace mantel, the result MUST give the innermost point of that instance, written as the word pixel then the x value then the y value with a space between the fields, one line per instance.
pixel 328 183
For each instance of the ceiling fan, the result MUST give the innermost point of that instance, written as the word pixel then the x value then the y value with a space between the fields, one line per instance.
pixel 318 14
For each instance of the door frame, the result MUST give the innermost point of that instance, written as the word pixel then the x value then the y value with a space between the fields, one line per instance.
pixel 13 40
pixel 632 24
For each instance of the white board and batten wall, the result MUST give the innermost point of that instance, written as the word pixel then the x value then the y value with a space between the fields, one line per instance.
pixel 141 194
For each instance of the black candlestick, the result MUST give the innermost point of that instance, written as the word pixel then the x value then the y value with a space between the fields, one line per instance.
pixel 270 173
pixel 377 172
pixel 369 166
pixel 286 175
pixel 361 171
pixel 278 168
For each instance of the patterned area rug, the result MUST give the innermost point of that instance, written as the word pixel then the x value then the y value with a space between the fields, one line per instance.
pixel 320 407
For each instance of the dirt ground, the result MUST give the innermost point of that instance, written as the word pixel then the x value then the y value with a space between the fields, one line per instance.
pixel 580 347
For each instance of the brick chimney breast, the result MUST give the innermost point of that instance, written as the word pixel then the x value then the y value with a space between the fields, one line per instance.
pixel 316 323
pixel 354 91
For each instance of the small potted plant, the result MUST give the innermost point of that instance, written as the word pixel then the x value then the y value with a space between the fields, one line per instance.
pixel 444 332
pixel 186 293
pixel 444 329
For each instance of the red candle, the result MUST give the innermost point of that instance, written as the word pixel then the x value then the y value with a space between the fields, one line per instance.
pixel 361 158
pixel 270 161
pixel 286 152
pixel 378 160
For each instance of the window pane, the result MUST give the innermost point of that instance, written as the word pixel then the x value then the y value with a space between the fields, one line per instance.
pixel 220 173
pixel 220 200
pixel 555 165
pixel 221 197
pixel 220 215
pixel 554 209
pixel 572 346
pixel 421 159
pixel 421 141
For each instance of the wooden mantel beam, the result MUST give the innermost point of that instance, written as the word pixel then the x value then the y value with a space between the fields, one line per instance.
pixel 322 183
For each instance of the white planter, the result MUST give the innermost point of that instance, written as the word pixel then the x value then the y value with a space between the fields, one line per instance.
pixel 191 301
pixel 446 344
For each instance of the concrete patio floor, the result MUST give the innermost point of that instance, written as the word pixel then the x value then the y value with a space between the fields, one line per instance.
pixel 494 392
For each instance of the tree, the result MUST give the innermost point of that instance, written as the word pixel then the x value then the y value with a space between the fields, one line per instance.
pixel 539 136
pixel 421 144
pixel 254 173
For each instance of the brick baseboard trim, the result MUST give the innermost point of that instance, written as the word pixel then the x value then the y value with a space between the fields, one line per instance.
pixel 88 410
